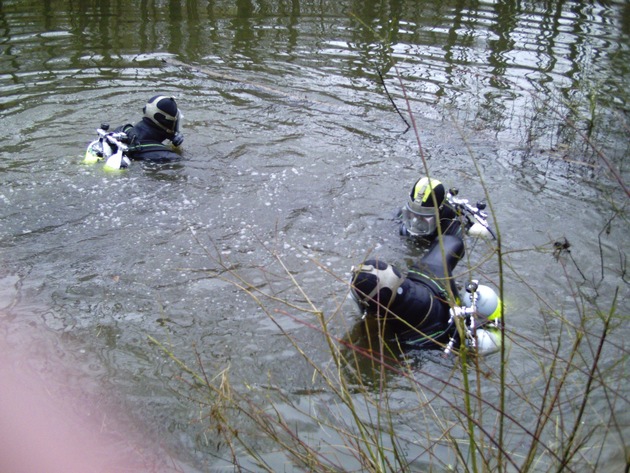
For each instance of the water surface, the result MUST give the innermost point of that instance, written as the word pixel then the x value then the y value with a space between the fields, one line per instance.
pixel 294 150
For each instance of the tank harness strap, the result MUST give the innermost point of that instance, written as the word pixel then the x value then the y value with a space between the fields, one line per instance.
pixel 427 338
pixel 429 281
pixel 134 145
pixel 131 141
pixel 147 146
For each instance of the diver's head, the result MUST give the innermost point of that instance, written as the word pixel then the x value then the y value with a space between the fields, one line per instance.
pixel 419 216
pixel 374 285
pixel 163 112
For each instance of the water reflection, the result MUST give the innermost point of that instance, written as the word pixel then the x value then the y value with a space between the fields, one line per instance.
pixel 506 45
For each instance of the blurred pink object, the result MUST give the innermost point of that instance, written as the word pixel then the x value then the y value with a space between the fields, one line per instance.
pixel 48 425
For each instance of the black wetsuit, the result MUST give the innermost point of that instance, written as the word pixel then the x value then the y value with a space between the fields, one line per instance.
pixel 421 303
pixel 145 141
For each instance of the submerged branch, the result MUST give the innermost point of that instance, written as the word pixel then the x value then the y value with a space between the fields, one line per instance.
pixel 380 75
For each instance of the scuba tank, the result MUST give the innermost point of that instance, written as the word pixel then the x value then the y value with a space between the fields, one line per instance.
pixel 481 311
pixel 109 147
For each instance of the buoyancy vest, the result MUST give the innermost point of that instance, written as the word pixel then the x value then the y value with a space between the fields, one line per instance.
pixel 422 304
pixel 146 142
pixel 420 313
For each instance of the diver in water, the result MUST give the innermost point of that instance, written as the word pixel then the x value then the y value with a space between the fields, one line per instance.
pixel 456 216
pixel 419 310
pixel 161 122
pixel 416 309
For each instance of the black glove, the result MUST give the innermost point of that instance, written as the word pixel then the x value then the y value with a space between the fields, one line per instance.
pixel 178 139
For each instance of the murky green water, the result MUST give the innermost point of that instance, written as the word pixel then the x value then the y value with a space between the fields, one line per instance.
pixel 292 149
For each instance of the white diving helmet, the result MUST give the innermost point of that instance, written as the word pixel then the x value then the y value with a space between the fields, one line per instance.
pixel 163 112
pixel 374 286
